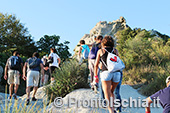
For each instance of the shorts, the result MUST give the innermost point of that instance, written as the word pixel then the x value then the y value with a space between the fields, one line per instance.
pixel 13 77
pixel 52 69
pixel 32 78
pixel 110 76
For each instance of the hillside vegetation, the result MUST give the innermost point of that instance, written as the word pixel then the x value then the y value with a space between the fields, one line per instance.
pixel 147 58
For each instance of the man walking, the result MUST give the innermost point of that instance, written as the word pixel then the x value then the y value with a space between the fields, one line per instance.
pixel 33 66
pixel 13 66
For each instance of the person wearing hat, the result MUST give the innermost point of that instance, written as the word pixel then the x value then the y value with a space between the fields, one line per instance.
pixel 164 98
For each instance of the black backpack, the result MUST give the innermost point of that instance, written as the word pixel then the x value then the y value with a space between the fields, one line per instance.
pixel 51 60
pixel 33 63
pixel 14 63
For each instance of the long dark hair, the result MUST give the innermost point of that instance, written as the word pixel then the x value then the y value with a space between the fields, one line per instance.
pixel 108 41
pixel 54 50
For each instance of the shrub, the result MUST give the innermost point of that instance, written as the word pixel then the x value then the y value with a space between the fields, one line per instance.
pixel 147 59
pixel 71 76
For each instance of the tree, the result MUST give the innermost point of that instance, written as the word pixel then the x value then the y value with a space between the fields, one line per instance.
pixel 47 42
pixel 14 36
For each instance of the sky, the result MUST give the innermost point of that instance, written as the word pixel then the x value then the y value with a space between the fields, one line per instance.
pixel 71 19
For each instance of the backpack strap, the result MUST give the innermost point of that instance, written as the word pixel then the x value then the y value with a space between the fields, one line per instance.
pixel 107 50
pixel 83 47
pixel 102 59
pixel 113 50
pixel 104 63
pixel 102 51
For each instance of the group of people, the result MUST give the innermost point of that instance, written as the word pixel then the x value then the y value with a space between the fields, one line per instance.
pixel 31 72
pixel 100 76
pixel 109 82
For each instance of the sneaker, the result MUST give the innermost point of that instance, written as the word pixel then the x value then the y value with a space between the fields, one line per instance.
pixel 10 97
pixel 92 88
pixel 15 96
pixel 28 101
pixel 95 89
pixel 34 99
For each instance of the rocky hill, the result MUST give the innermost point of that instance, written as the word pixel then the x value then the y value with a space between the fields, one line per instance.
pixel 103 28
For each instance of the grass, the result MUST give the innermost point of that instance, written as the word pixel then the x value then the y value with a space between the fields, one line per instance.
pixel 149 79
pixel 19 106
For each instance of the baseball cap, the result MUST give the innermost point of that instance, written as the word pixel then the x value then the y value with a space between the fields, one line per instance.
pixel 167 79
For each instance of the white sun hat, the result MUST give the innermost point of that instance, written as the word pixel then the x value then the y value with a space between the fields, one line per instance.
pixel 167 79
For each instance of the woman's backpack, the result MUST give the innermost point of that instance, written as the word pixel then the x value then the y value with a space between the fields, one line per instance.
pixel 114 63
pixel 85 53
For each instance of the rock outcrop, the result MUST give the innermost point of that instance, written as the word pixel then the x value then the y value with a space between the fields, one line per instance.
pixel 87 95
pixel 103 28
pixel 81 95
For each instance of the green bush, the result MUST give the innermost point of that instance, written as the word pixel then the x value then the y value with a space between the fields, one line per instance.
pixel 71 76
pixel 147 59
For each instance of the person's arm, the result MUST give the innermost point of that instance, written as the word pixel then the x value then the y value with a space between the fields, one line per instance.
pixel 59 61
pixel 50 55
pixel 42 71
pixel 6 70
pixel 80 51
pixel 21 66
pixel 147 109
pixel 24 71
pixel 151 98
pixel 90 45
pixel 97 65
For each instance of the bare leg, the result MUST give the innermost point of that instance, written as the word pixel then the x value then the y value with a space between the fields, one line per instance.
pixel 51 72
pixel 28 92
pixel 35 90
pixel 113 86
pixel 52 79
pixel 45 79
pixel 11 89
pixel 16 88
pixel 107 92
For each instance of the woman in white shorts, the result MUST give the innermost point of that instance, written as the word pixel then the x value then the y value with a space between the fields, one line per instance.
pixel 109 80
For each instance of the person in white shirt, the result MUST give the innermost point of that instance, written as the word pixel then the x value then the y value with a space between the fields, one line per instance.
pixel 46 78
pixel 55 63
